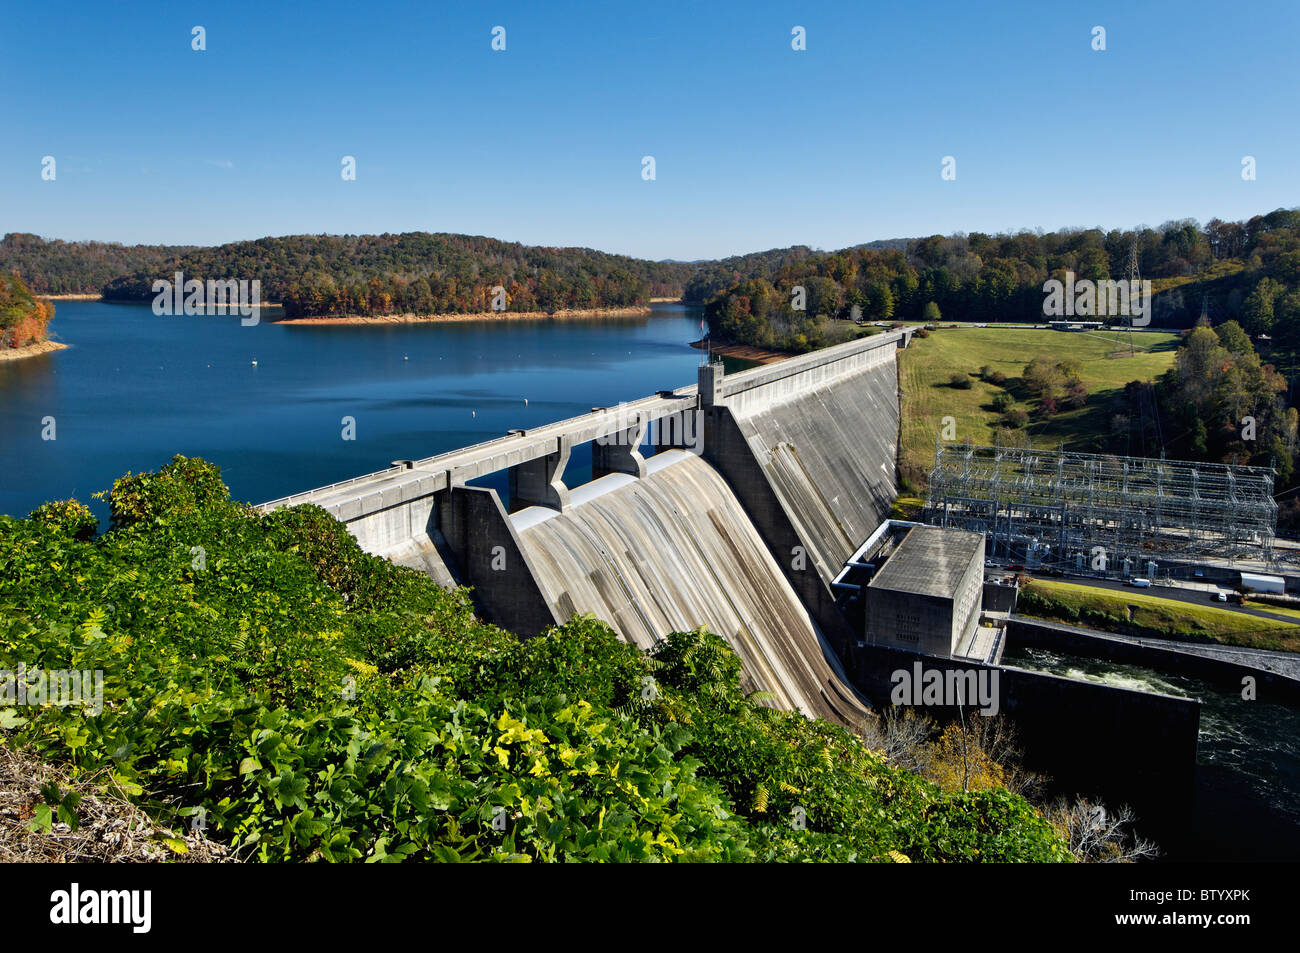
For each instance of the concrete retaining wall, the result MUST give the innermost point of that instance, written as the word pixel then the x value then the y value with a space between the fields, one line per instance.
pixel 490 557
pixel 1222 673
pixel 826 440
pixel 1087 737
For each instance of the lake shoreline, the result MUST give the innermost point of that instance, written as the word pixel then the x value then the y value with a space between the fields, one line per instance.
pixel 30 350
pixel 579 314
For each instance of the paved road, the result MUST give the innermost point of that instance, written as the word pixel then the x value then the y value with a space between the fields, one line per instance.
pixel 1194 596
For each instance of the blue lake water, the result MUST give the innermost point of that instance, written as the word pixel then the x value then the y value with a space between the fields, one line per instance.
pixel 134 388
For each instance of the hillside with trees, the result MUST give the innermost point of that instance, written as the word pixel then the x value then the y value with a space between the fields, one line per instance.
pixel 1221 403
pixel 711 278
pixel 24 317
pixel 417 272
pixel 59 267
pixel 1246 271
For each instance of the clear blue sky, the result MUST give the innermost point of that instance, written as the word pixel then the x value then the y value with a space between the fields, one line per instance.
pixel 757 146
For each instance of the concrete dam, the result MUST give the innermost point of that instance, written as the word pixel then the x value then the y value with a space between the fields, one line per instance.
pixel 729 504
pixel 733 504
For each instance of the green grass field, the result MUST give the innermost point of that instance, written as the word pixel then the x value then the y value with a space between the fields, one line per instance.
pixel 1287 611
pixel 1162 618
pixel 928 363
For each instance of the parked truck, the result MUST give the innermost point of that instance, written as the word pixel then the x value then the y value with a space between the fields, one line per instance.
pixel 1262 583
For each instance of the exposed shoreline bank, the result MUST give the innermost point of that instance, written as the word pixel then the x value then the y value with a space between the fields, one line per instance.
pixel 581 314
pixel 31 350
pixel 743 352
pixel 73 297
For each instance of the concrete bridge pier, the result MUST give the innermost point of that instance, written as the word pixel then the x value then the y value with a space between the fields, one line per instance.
pixel 488 554
pixel 620 452
pixel 540 482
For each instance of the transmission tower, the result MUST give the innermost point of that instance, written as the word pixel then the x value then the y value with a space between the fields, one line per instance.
pixel 1133 283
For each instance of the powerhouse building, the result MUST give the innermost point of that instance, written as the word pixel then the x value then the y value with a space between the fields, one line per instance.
pixel 926 597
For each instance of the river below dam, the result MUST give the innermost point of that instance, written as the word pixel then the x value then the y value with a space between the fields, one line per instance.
pixel 1246 799
pixel 133 388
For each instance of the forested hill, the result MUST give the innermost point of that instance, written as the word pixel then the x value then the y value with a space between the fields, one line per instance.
pixel 59 267
pixel 1246 271
pixel 414 272
pixel 711 278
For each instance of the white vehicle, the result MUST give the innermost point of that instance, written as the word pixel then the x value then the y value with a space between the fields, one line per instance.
pixel 1139 583
pixel 1261 583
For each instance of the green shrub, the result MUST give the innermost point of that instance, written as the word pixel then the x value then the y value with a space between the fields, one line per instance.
pixel 1015 419
pixel 66 517
pixel 182 488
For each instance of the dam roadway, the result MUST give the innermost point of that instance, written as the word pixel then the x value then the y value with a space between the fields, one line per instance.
pixel 762 483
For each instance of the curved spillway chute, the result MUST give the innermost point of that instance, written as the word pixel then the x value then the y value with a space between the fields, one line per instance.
pixel 674 551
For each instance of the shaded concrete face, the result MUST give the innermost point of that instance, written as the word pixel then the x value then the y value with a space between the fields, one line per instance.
pixel 915 623
pixel 620 453
pixel 827 448
pixel 675 551
pixel 489 557
pixel 540 482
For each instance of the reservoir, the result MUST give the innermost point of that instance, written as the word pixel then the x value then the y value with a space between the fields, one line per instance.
pixel 134 388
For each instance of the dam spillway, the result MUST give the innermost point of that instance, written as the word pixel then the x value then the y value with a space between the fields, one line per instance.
pixel 674 551
pixel 763 483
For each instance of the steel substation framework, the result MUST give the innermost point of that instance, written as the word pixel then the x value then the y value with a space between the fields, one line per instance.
pixel 1056 508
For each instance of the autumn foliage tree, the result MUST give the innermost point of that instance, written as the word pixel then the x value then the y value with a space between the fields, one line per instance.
pixel 24 318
